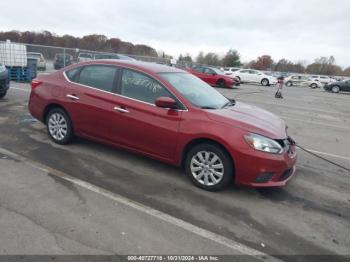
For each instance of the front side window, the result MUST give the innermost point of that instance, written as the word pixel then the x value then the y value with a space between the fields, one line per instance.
pixel 245 71
pixel 208 71
pixel 141 87
pixel 197 92
pixel 98 76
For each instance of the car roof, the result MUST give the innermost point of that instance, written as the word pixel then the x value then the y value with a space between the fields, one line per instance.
pixel 138 65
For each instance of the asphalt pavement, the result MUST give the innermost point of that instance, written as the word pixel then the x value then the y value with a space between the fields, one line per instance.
pixel 45 213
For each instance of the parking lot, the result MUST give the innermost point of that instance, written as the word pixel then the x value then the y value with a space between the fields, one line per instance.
pixel 87 198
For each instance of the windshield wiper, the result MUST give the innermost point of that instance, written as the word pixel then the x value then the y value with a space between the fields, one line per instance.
pixel 231 102
pixel 208 107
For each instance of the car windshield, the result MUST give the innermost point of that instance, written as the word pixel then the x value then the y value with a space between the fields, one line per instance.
pixel 197 92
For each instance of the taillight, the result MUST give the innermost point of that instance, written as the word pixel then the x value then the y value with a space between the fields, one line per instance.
pixel 36 83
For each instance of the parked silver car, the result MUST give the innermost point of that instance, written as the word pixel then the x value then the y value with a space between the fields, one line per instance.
pixel 302 80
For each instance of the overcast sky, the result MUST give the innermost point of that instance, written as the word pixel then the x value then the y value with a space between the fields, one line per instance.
pixel 292 29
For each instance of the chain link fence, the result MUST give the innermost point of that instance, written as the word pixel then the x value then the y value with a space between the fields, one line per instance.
pixel 51 58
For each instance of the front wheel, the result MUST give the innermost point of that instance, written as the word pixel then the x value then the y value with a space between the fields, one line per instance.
pixel 265 82
pixel 220 83
pixel 59 126
pixel 209 167
pixel 2 95
pixel 335 89
pixel 289 83
pixel 313 86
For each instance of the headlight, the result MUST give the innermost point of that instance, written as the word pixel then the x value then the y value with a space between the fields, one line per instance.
pixel 262 143
pixel 2 68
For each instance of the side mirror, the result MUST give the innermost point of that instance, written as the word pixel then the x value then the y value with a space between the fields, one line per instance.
pixel 166 102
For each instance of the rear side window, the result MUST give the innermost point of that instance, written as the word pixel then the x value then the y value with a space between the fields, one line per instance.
pixel 98 76
pixel 72 74
pixel 141 87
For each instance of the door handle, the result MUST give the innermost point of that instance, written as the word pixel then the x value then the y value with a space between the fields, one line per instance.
pixel 121 110
pixel 72 97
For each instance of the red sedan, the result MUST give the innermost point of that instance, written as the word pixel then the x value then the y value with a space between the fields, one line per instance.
pixel 214 76
pixel 167 114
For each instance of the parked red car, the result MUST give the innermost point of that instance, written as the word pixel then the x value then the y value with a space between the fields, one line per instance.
pixel 168 114
pixel 214 76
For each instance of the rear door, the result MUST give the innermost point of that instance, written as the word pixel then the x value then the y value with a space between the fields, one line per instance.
pixel 89 99
pixel 254 76
pixel 244 75
pixel 137 123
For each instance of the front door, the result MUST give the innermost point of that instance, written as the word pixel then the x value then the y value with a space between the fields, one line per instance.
pixel 137 123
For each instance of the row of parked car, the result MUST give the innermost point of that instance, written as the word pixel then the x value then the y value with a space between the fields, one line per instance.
pixel 62 59
pixel 231 77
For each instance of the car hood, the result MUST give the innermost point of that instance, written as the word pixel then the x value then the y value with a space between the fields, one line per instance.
pixel 250 118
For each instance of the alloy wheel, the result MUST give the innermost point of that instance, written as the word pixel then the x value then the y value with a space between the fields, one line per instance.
pixel 207 168
pixel 58 127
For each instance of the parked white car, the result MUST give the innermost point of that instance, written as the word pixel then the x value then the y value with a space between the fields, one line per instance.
pixel 84 57
pixel 323 79
pixel 41 64
pixel 302 80
pixel 230 70
pixel 255 76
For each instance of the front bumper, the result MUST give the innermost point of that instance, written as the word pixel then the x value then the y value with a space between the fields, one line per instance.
pixel 4 81
pixel 259 169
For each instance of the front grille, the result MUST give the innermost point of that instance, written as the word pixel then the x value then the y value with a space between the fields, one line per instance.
pixel 264 177
pixel 286 174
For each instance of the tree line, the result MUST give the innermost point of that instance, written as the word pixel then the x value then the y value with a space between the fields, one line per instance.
pixel 94 42
pixel 320 66
pixel 101 43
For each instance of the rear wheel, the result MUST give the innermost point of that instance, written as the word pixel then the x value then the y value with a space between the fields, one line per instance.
pixel 221 83
pixel 209 167
pixel 59 126
pixel 335 89
pixel 289 83
pixel 265 82
pixel 313 86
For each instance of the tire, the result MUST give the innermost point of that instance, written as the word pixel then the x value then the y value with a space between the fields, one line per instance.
pixel 335 89
pixel 200 170
pixel 2 95
pixel 265 82
pixel 289 83
pixel 220 83
pixel 313 86
pixel 59 126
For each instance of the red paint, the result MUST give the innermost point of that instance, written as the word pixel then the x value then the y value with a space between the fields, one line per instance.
pixel 164 133
pixel 213 79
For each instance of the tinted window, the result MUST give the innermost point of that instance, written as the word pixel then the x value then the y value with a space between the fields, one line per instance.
pixel 141 87
pixel 100 77
pixel 244 71
pixel 199 69
pixel 208 71
pixel 72 74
